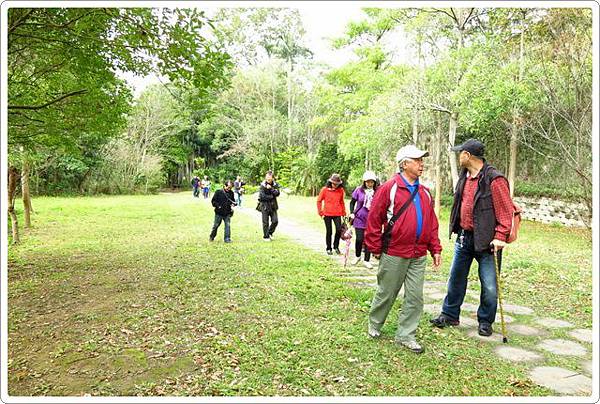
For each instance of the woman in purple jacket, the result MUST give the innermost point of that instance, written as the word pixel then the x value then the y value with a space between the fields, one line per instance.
pixel 359 206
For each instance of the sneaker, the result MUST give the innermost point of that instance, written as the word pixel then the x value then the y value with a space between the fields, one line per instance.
pixel 485 329
pixel 228 240
pixel 373 332
pixel 443 320
pixel 337 251
pixel 266 239
pixel 412 345
pixel 368 265
pixel 355 261
pixel 329 252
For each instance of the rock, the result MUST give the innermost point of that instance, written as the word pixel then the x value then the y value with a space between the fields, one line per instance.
pixel 582 335
pixel 515 309
pixel 561 380
pixel 553 323
pixel 524 330
pixel 514 354
pixel 562 347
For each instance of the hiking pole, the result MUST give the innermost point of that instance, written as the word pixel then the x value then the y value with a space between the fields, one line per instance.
pixel 504 339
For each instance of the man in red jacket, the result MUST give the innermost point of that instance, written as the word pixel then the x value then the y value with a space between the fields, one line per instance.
pixel 403 259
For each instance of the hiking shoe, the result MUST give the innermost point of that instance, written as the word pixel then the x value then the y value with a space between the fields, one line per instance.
pixel 355 261
pixel 329 252
pixel 443 320
pixel 367 264
pixel 337 251
pixel 373 332
pixel 414 346
pixel 485 329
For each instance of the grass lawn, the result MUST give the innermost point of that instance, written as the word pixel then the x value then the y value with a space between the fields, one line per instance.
pixel 126 296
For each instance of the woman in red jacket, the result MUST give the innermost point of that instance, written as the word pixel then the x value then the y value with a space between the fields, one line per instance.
pixel 331 207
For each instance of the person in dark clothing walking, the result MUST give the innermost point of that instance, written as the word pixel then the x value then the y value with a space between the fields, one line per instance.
pixel 196 186
pixel 223 203
pixel 481 216
pixel 238 190
pixel 267 199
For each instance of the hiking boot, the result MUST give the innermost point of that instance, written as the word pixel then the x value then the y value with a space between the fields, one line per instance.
pixel 414 346
pixel 329 252
pixel 355 261
pixel 443 321
pixel 373 332
pixel 337 251
pixel 367 264
pixel 485 329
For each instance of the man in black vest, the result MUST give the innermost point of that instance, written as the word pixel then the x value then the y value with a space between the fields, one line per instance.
pixel 481 217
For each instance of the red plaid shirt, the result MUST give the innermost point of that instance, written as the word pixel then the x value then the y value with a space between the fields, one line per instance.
pixel 503 206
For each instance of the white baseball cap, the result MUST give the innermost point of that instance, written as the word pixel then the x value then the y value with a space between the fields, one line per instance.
pixel 369 175
pixel 410 152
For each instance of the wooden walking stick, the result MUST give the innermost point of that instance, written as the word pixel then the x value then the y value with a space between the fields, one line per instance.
pixel 498 288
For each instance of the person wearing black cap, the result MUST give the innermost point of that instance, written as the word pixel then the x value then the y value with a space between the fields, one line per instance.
pixel 481 217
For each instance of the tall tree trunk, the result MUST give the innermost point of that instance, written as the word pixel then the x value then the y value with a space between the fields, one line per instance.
pixel 438 167
pixel 27 208
pixel 415 127
pixel 516 124
pixel 289 102
pixel 271 163
pixel 451 155
pixel 13 179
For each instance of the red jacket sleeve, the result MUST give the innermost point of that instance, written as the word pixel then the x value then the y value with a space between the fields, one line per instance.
pixel 376 219
pixel 503 208
pixel 320 201
pixel 434 247
pixel 342 194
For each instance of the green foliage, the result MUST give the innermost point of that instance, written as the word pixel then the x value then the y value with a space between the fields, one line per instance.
pixel 565 190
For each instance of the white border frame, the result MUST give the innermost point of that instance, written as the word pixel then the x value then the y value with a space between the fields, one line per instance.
pixel 595 397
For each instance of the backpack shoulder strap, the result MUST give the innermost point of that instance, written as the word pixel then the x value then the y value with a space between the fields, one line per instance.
pixel 390 211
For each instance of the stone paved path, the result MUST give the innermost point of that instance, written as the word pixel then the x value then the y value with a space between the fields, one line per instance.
pixel 560 380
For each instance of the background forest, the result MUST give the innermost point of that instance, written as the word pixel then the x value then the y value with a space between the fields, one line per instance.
pixel 241 94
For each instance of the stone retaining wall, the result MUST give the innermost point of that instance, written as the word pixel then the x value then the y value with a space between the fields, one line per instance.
pixel 547 210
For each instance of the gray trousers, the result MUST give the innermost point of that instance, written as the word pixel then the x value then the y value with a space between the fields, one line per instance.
pixel 393 273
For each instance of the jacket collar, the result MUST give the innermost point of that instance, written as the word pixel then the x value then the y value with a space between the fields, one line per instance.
pixel 400 182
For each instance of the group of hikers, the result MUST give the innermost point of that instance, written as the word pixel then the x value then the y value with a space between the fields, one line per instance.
pixel 395 222
pixel 200 185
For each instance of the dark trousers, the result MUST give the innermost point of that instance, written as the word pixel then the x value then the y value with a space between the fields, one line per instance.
pixel 269 229
pixel 464 254
pixel 337 220
pixel 226 220
pixel 196 192
pixel 359 246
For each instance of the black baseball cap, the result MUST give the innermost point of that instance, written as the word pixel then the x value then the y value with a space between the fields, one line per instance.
pixel 473 146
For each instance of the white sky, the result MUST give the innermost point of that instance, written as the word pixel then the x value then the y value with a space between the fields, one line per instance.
pixel 322 20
